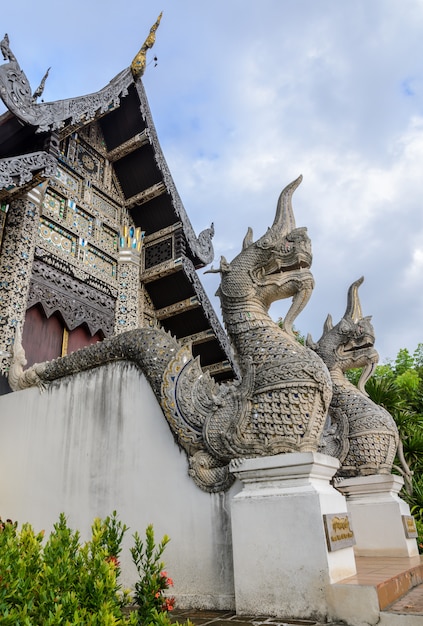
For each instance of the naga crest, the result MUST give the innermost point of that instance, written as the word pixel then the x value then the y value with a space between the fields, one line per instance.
pixel 360 433
pixel 350 343
pixel 276 266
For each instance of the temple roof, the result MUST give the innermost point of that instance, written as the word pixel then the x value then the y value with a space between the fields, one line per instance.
pixel 30 133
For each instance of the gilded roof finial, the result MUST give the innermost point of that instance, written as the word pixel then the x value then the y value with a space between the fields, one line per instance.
pixel 139 62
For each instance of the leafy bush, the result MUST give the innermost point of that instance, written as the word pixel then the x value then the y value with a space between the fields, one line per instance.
pixel 153 581
pixel 61 582
pixel 65 582
pixel 419 526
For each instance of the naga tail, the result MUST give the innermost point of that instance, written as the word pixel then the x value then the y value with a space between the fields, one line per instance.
pixel 186 394
pixel 150 349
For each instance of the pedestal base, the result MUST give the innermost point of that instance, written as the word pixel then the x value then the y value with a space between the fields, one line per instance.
pixel 282 565
pixel 376 513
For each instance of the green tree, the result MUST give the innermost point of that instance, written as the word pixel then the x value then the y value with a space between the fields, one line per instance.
pixel 398 387
pixel 403 362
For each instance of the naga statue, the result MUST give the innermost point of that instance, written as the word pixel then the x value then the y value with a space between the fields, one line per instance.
pixel 360 433
pixel 281 401
pixel 287 389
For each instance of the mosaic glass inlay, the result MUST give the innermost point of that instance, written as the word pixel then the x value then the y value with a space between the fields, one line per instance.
pixel 71 182
pixel 58 237
pixel 103 205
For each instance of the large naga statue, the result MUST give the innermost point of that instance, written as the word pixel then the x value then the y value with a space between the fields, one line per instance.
pixel 286 389
pixel 280 403
pixel 360 433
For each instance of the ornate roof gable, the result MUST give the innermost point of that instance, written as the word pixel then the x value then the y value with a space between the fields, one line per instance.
pixel 15 91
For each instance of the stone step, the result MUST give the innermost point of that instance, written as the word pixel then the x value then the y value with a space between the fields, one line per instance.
pixel 395 588
pixel 380 584
pixel 407 610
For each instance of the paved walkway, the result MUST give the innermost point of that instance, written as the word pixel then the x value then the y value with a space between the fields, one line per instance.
pixel 411 603
pixel 228 618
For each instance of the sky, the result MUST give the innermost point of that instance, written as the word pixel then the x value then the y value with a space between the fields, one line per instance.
pixel 247 95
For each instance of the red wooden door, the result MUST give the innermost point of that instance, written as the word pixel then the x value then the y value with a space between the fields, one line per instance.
pixel 42 337
pixel 80 337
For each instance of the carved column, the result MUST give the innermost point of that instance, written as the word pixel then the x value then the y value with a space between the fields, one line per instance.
pixel 283 565
pixel 15 267
pixel 377 514
pixel 128 304
pixel 3 213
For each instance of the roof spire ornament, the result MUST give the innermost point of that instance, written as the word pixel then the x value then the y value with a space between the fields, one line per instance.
pixel 139 63
pixel 5 49
pixel 39 91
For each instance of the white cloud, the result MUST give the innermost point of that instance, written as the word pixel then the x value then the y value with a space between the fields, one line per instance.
pixel 245 97
pixel 414 271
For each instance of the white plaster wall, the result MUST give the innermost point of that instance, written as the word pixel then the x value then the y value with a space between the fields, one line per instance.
pixel 99 442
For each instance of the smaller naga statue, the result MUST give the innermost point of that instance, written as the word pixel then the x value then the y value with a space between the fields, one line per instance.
pixel 360 433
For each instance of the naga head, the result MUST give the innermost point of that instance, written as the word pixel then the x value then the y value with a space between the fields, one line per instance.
pixel 350 343
pixel 274 267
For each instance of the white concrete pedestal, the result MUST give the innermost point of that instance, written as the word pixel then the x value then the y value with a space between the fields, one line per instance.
pixel 282 566
pixel 376 515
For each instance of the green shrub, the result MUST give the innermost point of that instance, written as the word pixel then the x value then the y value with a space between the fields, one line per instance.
pixel 65 582
pixel 419 525
pixel 61 582
pixel 153 581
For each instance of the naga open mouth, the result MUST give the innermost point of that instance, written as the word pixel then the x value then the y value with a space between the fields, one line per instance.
pixel 363 346
pixel 279 266
pixel 301 265
pixel 355 349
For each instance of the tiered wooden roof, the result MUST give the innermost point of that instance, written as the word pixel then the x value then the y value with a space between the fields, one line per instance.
pixel 34 140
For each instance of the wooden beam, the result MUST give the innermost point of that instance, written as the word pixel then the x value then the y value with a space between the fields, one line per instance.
pixel 162 233
pixel 160 270
pixel 197 338
pixel 145 196
pixel 218 368
pixel 127 147
pixel 178 307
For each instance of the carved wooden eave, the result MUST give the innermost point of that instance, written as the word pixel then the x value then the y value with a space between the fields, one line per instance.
pixel 20 173
pixel 31 138
pixel 66 297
